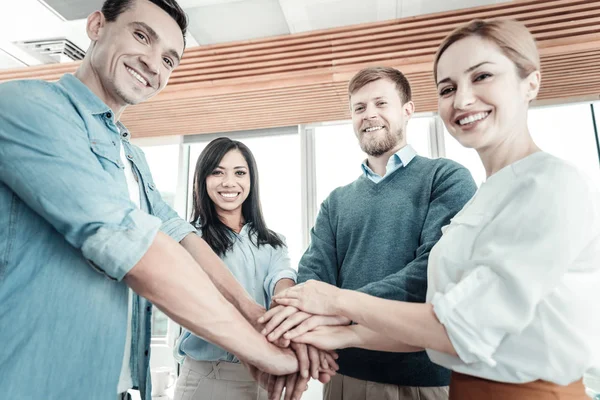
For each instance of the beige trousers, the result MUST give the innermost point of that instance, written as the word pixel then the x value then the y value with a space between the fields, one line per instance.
pixel 208 380
pixel 346 388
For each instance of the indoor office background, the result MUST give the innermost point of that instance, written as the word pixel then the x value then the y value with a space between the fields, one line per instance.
pixel 273 74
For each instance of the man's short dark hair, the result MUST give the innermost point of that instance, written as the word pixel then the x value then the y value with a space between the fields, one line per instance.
pixel 113 8
pixel 371 74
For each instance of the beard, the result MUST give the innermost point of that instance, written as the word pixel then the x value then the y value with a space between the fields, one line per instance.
pixel 126 98
pixel 375 145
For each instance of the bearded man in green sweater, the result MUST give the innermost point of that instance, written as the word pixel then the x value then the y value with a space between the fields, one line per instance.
pixel 374 235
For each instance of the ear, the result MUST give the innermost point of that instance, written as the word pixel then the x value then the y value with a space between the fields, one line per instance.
pixel 95 23
pixel 532 85
pixel 408 109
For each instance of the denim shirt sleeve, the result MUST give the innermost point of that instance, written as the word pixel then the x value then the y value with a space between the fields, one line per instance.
pixel 172 224
pixel 46 160
pixel 279 268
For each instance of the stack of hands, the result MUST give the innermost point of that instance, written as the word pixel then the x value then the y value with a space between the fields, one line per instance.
pixel 303 320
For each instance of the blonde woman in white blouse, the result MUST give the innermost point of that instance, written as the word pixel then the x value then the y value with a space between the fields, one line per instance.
pixel 512 305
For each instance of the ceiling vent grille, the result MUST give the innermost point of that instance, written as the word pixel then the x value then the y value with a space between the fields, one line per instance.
pixel 55 50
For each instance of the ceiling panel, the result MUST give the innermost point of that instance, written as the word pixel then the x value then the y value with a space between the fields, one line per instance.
pixel 336 13
pixel 75 9
pixel 308 15
pixel 243 20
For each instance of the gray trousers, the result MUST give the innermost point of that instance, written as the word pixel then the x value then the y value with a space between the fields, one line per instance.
pixel 346 388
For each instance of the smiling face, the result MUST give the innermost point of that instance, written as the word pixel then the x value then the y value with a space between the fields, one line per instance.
pixel 379 118
pixel 132 57
pixel 481 97
pixel 228 185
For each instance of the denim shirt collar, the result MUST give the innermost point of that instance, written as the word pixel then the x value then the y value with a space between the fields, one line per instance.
pixel 401 158
pixel 90 101
pixel 83 94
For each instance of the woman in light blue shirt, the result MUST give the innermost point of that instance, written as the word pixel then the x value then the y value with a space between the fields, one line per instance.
pixel 227 213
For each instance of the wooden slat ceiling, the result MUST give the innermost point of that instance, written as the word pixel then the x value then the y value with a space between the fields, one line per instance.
pixel 302 78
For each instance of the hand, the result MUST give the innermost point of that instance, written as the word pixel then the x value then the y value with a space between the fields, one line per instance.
pixel 312 323
pixel 329 337
pixel 289 317
pixel 254 316
pixel 290 322
pixel 265 380
pixel 313 297
pixel 276 361
pixel 321 364
pixel 294 385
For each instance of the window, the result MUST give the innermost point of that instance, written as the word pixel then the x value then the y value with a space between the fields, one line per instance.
pixel 163 161
pixel 567 132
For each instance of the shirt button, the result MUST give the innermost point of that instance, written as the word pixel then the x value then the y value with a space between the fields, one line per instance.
pixel 148 308
pixel 146 353
pixel 129 157
pixel 108 115
pixel 124 134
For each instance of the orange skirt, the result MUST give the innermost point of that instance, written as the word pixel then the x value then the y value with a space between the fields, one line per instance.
pixel 465 387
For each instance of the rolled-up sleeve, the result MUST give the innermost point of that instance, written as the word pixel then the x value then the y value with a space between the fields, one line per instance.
pixel 176 227
pixel 45 159
pixel 519 257
pixel 279 268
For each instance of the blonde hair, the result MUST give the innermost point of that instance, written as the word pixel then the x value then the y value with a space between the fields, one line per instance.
pixel 512 37
pixel 371 74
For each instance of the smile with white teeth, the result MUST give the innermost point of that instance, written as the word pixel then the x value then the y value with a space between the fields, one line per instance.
pixel 373 128
pixel 137 76
pixel 229 195
pixel 473 118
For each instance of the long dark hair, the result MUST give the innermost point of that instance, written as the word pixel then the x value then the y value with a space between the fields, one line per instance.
pixel 204 215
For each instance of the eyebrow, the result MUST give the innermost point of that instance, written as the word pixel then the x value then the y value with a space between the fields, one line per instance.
pixel 238 167
pixel 468 70
pixel 362 102
pixel 154 36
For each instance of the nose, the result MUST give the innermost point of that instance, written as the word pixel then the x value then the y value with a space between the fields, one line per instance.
pixel 151 63
pixel 227 181
pixel 370 112
pixel 463 97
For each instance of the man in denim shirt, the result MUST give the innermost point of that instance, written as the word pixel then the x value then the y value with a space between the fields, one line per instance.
pixel 75 235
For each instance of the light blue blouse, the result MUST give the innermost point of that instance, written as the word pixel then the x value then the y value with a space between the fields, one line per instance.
pixel 258 269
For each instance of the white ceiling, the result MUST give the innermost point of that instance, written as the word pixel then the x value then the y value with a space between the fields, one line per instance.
pixel 10 61
pixel 211 21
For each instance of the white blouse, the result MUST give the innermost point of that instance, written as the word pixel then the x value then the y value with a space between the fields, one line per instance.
pixel 515 278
